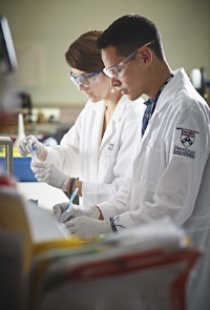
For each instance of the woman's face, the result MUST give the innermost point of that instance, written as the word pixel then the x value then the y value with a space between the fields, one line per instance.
pixel 96 87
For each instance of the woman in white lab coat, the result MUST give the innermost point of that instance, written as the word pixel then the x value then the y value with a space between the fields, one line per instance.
pixel 100 148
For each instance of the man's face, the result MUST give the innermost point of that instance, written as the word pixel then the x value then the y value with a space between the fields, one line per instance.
pixel 126 74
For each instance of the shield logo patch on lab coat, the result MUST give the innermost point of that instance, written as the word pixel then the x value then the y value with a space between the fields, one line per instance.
pixel 187 137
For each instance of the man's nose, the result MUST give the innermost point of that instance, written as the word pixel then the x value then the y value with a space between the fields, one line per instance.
pixel 115 82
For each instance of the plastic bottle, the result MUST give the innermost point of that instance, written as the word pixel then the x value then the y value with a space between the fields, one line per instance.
pixel 21 131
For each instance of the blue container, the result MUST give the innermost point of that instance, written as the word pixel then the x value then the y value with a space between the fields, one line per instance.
pixel 21 169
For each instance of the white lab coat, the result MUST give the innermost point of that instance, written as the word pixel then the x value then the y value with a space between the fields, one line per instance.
pixel 103 164
pixel 172 176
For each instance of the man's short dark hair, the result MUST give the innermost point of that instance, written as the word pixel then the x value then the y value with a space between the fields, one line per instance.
pixel 130 32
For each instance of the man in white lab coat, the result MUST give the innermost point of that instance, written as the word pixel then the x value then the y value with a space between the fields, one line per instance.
pixel 172 170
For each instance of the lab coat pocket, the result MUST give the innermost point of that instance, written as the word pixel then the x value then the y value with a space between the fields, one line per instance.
pixel 110 150
pixel 107 162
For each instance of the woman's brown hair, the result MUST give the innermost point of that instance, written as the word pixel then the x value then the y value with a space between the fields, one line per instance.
pixel 83 54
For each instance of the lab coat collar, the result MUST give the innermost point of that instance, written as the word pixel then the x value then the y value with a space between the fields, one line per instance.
pixel 121 106
pixel 171 89
pixel 116 117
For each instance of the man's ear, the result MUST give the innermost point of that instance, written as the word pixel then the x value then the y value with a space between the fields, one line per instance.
pixel 146 55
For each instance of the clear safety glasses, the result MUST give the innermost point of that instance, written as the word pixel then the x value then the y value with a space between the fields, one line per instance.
pixel 117 71
pixel 85 80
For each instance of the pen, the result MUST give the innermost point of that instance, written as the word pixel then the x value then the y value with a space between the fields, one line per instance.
pixel 71 199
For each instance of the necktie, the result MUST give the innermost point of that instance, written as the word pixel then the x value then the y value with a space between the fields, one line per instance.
pixel 150 103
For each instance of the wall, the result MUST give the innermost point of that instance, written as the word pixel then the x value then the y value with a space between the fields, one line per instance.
pixel 42 30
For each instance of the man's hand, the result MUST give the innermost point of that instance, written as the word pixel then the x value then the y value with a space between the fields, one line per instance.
pixel 86 227
pixel 49 173
pixel 75 211
pixel 59 208
pixel 29 144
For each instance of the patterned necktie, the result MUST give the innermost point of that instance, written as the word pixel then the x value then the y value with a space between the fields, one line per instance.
pixel 150 103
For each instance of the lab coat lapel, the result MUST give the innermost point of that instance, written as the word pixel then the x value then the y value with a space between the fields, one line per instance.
pixel 111 128
pixel 163 100
pixel 96 126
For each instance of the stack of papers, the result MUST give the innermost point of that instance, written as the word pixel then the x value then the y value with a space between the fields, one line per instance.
pixel 143 268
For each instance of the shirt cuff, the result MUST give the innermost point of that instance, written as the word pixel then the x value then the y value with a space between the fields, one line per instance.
pixel 107 209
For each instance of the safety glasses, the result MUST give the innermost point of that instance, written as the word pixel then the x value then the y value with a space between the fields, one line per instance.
pixel 85 80
pixel 117 71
